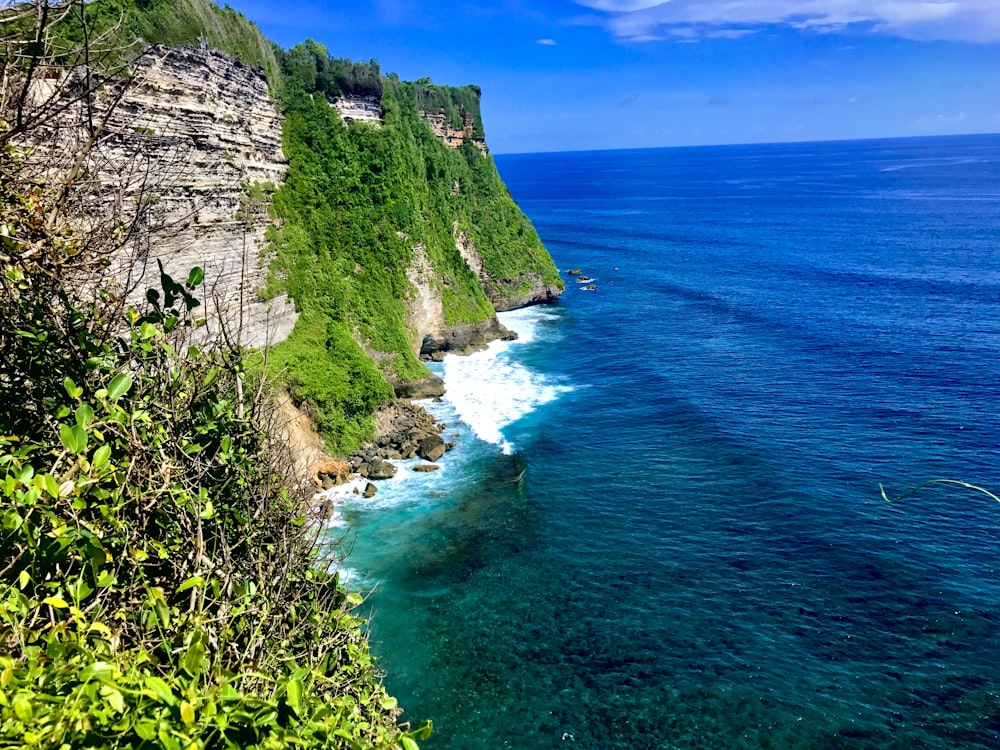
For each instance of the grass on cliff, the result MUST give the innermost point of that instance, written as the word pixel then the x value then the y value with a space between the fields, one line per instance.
pixel 125 25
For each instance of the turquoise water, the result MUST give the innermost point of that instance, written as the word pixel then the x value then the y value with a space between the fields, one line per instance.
pixel 662 526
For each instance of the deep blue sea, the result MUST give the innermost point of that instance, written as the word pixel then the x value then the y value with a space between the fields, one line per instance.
pixel 662 527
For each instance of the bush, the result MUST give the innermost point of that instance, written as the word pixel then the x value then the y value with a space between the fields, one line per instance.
pixel 159 584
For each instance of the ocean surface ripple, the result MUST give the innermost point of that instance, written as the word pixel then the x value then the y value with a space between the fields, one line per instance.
pixel 662 526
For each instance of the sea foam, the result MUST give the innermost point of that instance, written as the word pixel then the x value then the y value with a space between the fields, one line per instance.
pixel 491 389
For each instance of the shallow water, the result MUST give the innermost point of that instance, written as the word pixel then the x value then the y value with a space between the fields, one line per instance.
pixel 662 526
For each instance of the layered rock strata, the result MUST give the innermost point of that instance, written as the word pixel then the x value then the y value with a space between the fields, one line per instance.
pixel 454 137
pixel 360 108
pixel 185 153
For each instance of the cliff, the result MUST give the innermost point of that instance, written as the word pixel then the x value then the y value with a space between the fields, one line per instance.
pixel 216 135
pixel 397 241
pixel 187 150
pixel 356 222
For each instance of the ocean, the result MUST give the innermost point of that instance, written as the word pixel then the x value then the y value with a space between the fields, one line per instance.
pixel 663 526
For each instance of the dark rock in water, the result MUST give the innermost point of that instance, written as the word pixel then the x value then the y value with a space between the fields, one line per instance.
pixel 357 491
pixel 426 467
pixel 456 434
pixel 583 279
pixel 431 448
pixel 380 469
pixel 589 288
pixel 363 469
pixel 328 483
pixel 326 510
pixel 464 338
pixel 573 272
pixel 370 490
pixel 426 388
pixel 450 446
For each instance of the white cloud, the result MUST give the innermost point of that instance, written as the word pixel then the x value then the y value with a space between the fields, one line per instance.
pixel 940 123
pixel 961 20
pixel 546 42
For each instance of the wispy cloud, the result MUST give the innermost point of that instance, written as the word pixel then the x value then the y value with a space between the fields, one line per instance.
pixel 546 42
pixel 940 123
pixel 644 20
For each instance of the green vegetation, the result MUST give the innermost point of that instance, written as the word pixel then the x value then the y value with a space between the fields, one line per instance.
pixel 117 30
pixel 454 103
pixel 159 585
pixel 311 65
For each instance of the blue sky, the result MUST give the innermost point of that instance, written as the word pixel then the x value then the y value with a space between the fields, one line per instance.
pixel 596 74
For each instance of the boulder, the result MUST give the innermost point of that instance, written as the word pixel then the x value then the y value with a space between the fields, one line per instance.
pixel 427 388
pixel 431 448
pixel 426 467
pixel 370 490
pixel 379 469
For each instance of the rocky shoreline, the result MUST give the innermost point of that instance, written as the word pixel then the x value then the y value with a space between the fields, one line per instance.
pixel 403 430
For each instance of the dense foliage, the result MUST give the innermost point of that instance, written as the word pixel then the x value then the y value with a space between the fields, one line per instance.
pixel 455 103
pixel 159 585
pixel 125 26
pixel 311 65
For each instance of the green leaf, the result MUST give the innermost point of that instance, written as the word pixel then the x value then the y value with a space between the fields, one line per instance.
pixel 193 657
pixel 160 690
pixel 116 700
pixel 101 457
pixel 72 389
pixel 22 707
pixel 74 438
pixel 106 579
pixel 120 384
pixel 98 670
pixel 196 276
pixel 191 583
pixel 55 601
pixel 84 415
pixel 293 695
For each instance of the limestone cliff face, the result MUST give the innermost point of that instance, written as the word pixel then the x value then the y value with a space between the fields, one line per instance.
pixel 187 157
pixel 359 108
pixel 454 137
pixel 432 337
pixel 505 294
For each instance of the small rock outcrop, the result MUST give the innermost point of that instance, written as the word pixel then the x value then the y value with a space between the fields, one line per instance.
pixel 359 108
pixel 454 137
pixel 431 448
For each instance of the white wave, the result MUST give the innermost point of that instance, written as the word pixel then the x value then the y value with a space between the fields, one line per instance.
pixel 490 389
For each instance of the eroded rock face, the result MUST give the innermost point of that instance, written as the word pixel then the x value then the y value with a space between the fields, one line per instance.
pixel 454 137
pixel 464 338
pixel 426 319
pixel 359 108
pixel 504 294
pixel 187 159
